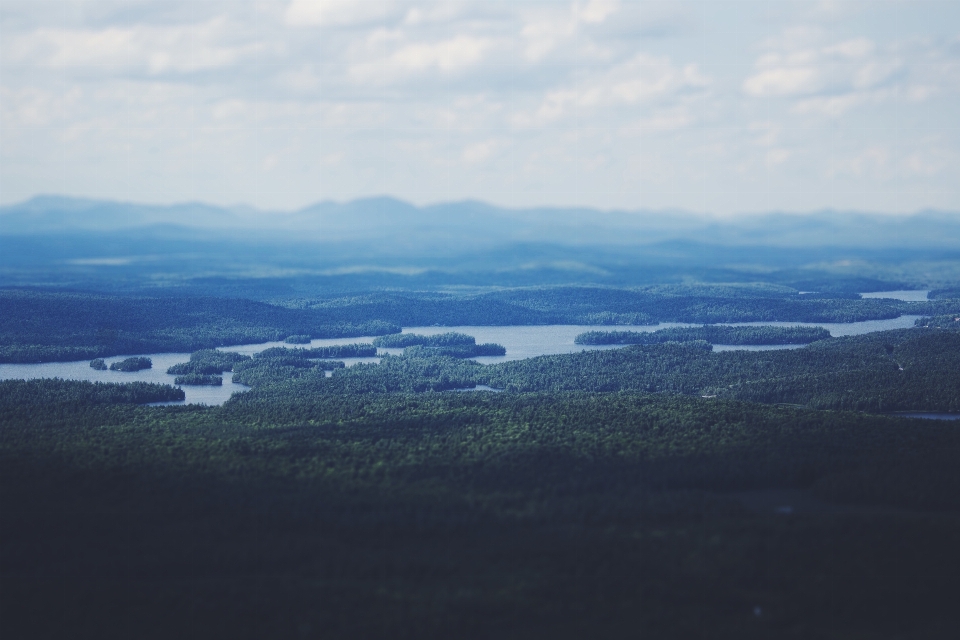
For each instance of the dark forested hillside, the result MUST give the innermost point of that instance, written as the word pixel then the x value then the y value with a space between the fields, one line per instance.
pixel 40 326
pixel 43 326
pixel 657 490
pixel 442 515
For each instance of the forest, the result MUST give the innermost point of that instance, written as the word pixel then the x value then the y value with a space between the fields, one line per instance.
pixel 43 326
pixel 132 364
pixel 711 334
pixel 352 515
pixel 387 500
pixel 47 326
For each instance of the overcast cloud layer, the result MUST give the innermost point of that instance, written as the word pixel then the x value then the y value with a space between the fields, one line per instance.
pixel 712 106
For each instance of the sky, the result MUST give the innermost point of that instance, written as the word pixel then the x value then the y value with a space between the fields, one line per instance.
pixel 712 106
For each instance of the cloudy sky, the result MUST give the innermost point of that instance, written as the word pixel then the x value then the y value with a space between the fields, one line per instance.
pixel 709 105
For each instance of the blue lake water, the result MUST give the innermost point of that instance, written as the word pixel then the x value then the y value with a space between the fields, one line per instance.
pixel 520 342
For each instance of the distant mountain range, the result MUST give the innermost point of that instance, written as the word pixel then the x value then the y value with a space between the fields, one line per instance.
pixel 475 225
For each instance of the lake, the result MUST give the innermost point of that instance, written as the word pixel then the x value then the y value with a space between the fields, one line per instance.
pixel 521 342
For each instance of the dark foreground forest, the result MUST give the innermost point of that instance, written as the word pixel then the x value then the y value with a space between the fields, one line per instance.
pixel 659 490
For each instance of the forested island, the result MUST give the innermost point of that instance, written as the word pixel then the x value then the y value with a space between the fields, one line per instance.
pixel 711 334
pixel 199 379
pixel 132 364
pixel 400 340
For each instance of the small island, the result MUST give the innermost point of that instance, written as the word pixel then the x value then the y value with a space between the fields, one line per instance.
pixel 457 351
pixel 132 364
pixel 207 362
pixel 199 379
pixel 714 334
pixel 400 340
pixel 98 364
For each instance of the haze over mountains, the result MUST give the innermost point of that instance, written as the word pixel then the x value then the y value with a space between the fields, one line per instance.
pixel 473 224
pixel 387 243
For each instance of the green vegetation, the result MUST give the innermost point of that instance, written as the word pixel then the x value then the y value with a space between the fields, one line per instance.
pixel 951 321
pixel 19 399
pixel 703 304
pixel 900 370
pixel 453 345
pixel 464 515
pixel 399 340
pixel 199 379
pixel 944 294
pixel 279 364
pixel 98 364
pixel 43 327
pixel 458 351
pixel 885 371
pixel 342 351
pixel 599 495
pixel 297 339
pixel 132 364
pixel 711 334
pixel 207 362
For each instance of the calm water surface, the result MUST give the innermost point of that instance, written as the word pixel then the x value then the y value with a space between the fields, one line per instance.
pixel 521 342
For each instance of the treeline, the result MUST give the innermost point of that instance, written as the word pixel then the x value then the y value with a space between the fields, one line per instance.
pixel 199 379
pixel 887 371
pixel 208 362
pixel 452 344
pixel 279 364
pixel 704 304
pixel 138 363
pixel 951 321
pixel 341 351
pixel 399 340
pixel 46 326
pixel 50 392
pixel 458 351
pixel 711 334
pixel 944 294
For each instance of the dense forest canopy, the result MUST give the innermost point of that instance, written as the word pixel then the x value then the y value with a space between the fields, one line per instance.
pixel 713 335
pixel 45 326
pixel 376 500
pixel 565 509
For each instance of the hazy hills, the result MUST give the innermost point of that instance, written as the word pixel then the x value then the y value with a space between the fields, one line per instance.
pixel 472 224
pixel 386 243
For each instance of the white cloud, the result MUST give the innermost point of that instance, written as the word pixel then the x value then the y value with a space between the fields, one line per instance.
pixel 596 11
pixel 282 102
pixel 480 151
pixel 547 29
pixel 831 79
pixel 641 80
pixel 444 56
pixel 155 50
pixel 314 13
pixel 783 81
